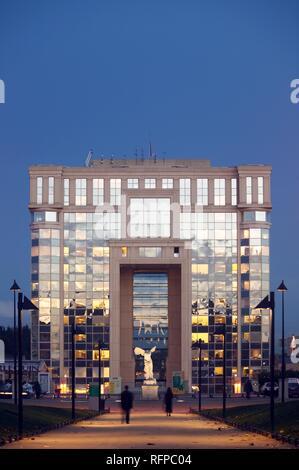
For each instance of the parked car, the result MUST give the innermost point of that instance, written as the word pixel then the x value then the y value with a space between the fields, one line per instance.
pixel 6 391
pixel 293 388
pixel 266 389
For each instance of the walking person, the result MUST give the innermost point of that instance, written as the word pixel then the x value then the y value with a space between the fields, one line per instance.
pixel 126 399
pixel 168 397
pixel 248 388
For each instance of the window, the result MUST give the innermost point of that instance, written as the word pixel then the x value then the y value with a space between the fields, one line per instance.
pixel 248 190
pixel 260 190
pixel 167 183
pixel 133 183
pixel 98 191
pixel 150 217
pixel 202 192
pixel 185 191
pixel 39 190
pixel 256 216
pixel 150 251
pixel 234 191
pixel 80 192
pixel 176 251
pixel 50 190
pixel 44 216
pixel 124 251
pixel 115 191
pixel 150 183
pixel 66 192
pixel 219 192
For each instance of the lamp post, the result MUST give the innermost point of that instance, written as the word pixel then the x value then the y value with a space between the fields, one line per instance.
pixel 23 304
pixel 73 371
pixel 198 345
pixel 224 373
pixel 282 288
pixel 100 378
pixel 15 288
pixel 100 346
pixel 269 303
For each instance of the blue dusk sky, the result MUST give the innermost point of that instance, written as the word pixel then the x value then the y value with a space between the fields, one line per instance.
pixel 200 78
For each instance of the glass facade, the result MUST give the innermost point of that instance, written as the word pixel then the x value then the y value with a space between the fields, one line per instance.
pixel 45 278
pixel 228 259
pixel 150 217
pixel 214 293
pixel 254 287
pixel 150 322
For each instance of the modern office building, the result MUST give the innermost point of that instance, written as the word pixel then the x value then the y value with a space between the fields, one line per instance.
pixel 154 254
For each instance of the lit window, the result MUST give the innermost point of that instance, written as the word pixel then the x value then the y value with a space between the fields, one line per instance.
pixel 167 183
pixel 133 183
pixel 150 183
pixel 124 251
pixel 260 216
pixel 115 191
pixel 219 192
pixel 234 191
pixel 50 190
pixel 202 191
pixel 98 191
pixel 51 216
pixel 39 190
pixel 260 187
pixel 80 192
pixel 150 251
pixel 66 192
pixel 150 217
pixel 185 191
pixel 248 190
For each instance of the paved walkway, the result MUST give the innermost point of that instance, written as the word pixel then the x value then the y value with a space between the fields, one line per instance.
pixel 147 430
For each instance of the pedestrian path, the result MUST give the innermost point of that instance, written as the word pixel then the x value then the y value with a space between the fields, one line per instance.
pixel 149 429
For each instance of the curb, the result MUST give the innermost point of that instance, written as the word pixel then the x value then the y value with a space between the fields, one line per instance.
pixel 36 432
pixel 246 427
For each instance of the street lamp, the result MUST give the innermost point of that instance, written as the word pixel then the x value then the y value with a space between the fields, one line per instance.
pixel 224 372
pixel 269 303
pixel 73 371
pixel 15 288
pixel 282 288
pixel 198 345
pixel 23 304
pixel 100 346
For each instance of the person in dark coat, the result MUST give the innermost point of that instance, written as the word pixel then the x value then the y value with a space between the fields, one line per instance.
pixel 37 389
pixel 168 401
pixel 248 388
pixel 126 399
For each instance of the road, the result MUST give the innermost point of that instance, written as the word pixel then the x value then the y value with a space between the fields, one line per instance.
pixel 149 429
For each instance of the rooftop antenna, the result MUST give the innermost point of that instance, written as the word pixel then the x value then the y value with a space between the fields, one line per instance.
pixel 88 158
pixel 150 149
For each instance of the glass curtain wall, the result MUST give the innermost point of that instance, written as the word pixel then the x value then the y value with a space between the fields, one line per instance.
pixel 150 317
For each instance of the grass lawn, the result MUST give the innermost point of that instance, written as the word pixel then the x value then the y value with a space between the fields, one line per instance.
pixel 286 416
pixel 35 418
